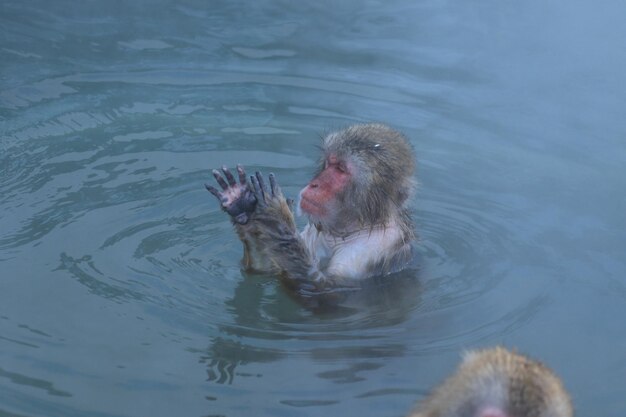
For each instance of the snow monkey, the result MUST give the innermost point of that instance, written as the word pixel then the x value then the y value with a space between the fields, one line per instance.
pixel 498 383
pixel 359 225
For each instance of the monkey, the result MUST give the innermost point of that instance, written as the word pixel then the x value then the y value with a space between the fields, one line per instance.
pixel 359 225
pixel 498 383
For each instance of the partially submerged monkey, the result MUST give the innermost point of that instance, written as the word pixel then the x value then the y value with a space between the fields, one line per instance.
pixel 498 383
pixel 359 225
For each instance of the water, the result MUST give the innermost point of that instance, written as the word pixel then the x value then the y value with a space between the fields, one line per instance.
pixel 121 293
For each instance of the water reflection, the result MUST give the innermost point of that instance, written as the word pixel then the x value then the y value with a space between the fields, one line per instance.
pixel 265 311
pixel 224 356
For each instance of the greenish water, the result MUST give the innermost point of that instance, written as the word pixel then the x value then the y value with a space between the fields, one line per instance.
pixel 120 287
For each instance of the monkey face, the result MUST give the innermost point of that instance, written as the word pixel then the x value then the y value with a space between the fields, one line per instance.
pixel 319 198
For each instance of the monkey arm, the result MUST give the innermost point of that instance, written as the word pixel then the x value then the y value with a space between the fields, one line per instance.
pixel 283 244
pixel 239 201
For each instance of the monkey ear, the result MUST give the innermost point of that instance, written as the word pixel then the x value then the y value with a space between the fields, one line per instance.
pixel 290 203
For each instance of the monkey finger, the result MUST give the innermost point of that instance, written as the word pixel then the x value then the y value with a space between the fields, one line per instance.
pixel 275 188
pixel 256 188
pixel 229 176
pixel 215 192
pixel 219 179
pixel 242 175
pixel 262 186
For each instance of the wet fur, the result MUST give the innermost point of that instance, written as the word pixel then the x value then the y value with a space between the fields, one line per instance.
pixel 499 382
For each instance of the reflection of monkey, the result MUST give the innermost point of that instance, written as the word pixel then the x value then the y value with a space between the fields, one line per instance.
pixel 359 224
pixel 498 383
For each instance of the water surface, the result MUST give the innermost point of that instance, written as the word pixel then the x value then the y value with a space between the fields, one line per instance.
pixel 121 291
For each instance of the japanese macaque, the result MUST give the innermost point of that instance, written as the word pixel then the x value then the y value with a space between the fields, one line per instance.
pixel 359 225
pixel 498 383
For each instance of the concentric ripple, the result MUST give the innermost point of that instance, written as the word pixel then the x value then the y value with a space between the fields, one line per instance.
pixel 121 290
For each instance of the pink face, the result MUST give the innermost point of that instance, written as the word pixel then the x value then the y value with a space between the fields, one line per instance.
pixel 316 199
pixel 492 412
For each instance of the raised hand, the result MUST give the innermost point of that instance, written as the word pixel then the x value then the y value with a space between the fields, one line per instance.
pixel 262 194
pixel 237 199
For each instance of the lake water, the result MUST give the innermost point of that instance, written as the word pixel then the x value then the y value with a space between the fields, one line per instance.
pixel 121 292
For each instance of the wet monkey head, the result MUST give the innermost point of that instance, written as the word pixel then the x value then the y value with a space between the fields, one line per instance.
pixel 497 382
pixel 364 178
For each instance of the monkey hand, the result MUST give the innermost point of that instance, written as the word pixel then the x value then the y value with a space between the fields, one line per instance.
pixel 272 206
pixel 237 199
pixel 264 196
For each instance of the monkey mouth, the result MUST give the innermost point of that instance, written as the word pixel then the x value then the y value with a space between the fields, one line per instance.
pixel 311 207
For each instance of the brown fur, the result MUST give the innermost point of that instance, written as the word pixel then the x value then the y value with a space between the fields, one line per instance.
pixel 502 380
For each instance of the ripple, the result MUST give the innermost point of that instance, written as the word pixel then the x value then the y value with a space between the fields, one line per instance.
pixel 23 96
pixel 145 44
pixel 308 403
pixel 255 53
pixel 259 130
pixel 86 272
pixel 21 379
pixel 122 276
